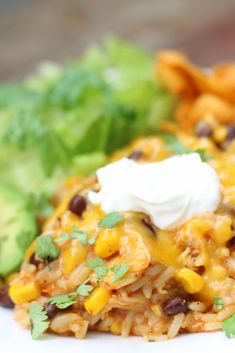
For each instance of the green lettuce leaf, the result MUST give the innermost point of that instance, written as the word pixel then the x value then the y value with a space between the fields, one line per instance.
pixel 66 119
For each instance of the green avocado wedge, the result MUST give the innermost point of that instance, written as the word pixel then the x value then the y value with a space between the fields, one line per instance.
pixel 18 228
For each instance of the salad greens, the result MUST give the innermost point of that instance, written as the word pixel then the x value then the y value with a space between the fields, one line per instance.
pixel 66 119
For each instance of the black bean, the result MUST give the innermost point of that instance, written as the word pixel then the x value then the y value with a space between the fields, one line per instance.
pixel 51 310
pixel 230 133
pixel 203 130
pixel 136 155
pixel 78 205
pixel 222 145
pixel 149 225
pixel 200 270
pixel 34 261
pixel 175 306
pixel 231 242
pixel 5 299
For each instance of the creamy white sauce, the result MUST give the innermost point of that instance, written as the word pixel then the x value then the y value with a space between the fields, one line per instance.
pixel 170 192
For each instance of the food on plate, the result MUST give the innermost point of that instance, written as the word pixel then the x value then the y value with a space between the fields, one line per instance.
pixel 145 247
pixel 65 121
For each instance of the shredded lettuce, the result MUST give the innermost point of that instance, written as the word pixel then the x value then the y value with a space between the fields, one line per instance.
pixel 66 119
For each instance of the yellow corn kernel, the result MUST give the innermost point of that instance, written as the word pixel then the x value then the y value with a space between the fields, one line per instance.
pixel 216 273
pixel 11 277
pixel 107 242
pixel 156 309
pixel 29 252
pixel 116 326
pixel 21 293
pixel 73 256
pixel 220 134
pixel 191 281
pixel 222 230
pixel 97 300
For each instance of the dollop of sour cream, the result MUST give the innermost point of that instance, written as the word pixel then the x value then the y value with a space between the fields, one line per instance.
pixel 170 192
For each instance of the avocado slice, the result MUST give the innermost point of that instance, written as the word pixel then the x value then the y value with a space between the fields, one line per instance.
pixel 18 228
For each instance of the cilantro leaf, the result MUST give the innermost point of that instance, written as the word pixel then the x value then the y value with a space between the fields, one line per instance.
pixel 203 154
pixel 101 272
pixel 63 301
pixel 111 220
pixel 219 304
pixel 98 265
pixel 76 234
pixel 228 326
pixel 63 237
pixel 175 145
pixel 93 263
pixel 45 249
pixel 38 319
pixel 119 271
pixel 80 235
pixel 84 289
pixel 66 300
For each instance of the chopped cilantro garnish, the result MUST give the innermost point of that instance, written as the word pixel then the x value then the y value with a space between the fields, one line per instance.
pixel 63 301
pixel 175 145
pixel 101 272
pixel 98 265
pixel 111 220
pixel 119 271
pixel 219 304
pixel 45 249
pixel 203 154
pixel 66 300
pixel 75 234
pixel 228 326
pixel 63 237
pixel 80 235
pixel 38 319
pixel 84 289
pixel 93 263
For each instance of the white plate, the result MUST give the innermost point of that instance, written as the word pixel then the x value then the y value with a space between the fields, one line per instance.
pixel 14 339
